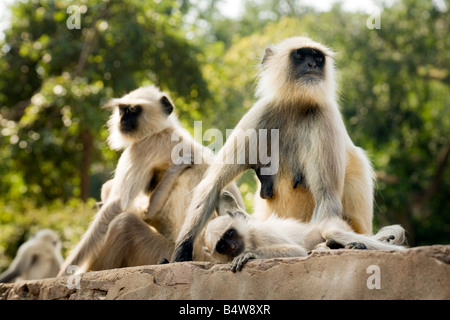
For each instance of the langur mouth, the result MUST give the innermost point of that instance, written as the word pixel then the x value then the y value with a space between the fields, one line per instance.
pixel 125 129
pixel 309 77
pixel 312 73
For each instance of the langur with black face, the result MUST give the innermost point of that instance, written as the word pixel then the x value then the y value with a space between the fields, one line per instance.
pixel 140 217
pixel 237 237
pixel 320 173
pixel 38 258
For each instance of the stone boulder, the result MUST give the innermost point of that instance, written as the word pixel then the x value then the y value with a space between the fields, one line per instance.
pixel 416 273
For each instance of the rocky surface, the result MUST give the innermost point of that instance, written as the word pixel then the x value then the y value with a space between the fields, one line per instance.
pixel 416 273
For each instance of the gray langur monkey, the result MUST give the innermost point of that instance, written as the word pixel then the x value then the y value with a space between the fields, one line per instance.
pixel 316 171
pixel 38 258
pixel 238 237
pixel 136 223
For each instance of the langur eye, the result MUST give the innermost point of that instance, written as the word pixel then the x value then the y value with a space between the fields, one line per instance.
pixel 221 246
pixel 319 58
pixel 123 108
pixel 298 55
pixel 134 109
pixel 230 233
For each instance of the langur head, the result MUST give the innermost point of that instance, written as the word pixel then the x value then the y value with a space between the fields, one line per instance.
pixel 226 235
pixel 48 236
pixel 297 70
pixel 138 115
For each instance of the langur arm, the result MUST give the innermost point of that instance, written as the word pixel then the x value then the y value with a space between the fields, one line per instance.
pixel 131 177
pixel 206 194
pixel 9 275
pixel 131 183
pixel 325 175
pixel 327 186
pixel 105 191
pixel 163 189
pixel 267 182
pixel 21 262
pixel 203 204
pixel 299 180
pixel 267 253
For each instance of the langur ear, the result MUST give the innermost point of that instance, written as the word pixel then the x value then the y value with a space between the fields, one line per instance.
pixel 229 206
pixel 238 214
pixel 111 104
pixel 227 203
pixel 167 106
pixel 267 54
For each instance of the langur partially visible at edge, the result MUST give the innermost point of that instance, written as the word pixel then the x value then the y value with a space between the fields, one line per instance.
pixel 38 258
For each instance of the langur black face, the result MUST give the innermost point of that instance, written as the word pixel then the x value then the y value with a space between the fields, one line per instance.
pixel 308 64
pixel 231 244
pixel 129 115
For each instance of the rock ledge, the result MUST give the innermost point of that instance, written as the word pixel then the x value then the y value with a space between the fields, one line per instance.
pixel 416 273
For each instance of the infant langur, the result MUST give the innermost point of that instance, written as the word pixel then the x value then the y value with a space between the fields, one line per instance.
pixel 38 258
pixel 238 237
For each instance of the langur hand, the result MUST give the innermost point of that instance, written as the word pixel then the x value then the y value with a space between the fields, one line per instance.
pixel 240 260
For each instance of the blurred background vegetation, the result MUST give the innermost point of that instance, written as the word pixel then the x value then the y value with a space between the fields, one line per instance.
pixel 394 95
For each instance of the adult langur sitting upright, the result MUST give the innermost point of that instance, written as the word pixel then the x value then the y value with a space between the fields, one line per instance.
pixel 320 174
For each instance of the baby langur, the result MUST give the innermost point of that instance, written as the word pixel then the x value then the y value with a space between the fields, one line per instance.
pixel 140 217
pixel 315 171
pixel 38 258
pixel 237 236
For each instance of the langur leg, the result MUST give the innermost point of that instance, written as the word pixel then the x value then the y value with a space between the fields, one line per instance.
pixel 130 242
pixel 93 239
pixel 394 234
pixel 357 198
pixel 352 240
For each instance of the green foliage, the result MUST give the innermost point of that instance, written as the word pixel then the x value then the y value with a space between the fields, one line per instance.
pixel 18 222
pixel 54 80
